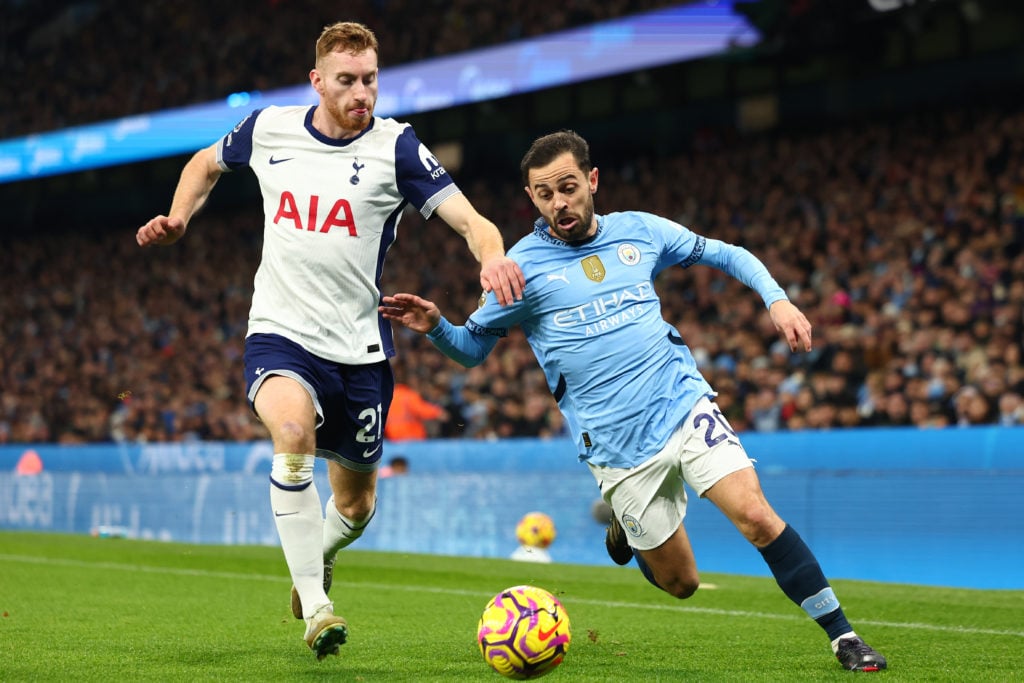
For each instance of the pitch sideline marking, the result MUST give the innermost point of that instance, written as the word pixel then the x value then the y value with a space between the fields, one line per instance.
pixel 28 559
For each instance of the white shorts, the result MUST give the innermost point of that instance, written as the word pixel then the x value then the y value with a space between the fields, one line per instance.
pixel 649 500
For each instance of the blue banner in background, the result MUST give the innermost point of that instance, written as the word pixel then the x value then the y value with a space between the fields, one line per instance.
pixel 619 46
pixel 880 448
pixel 933 507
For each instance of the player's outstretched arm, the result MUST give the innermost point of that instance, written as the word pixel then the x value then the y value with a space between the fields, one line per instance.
pixel 455 341
pixel 792 324
pixel 498 273
pixel 748 269
pixel 409 310
pixel 197 180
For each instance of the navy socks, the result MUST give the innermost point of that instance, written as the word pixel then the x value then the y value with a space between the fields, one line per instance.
pixel 799 575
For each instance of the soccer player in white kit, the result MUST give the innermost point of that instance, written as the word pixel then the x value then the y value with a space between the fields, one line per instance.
pixel 643 418
pixel 335 180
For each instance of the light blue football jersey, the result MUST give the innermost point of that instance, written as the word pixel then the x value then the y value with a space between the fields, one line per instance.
pixel 622 376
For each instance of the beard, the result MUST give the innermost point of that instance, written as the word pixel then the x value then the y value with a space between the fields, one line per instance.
pixel 580 230
pixel 345 120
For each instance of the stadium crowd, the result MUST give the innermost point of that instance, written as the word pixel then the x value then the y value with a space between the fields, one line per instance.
pixel 900 240
pixel 120 58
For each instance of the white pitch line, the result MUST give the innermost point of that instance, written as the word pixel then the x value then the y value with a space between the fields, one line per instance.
pixel 177 571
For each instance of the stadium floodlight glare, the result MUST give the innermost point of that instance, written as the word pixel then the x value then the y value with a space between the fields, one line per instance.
pixel 604 49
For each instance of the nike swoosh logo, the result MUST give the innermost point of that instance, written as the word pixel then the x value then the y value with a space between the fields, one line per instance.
pixel 370 453
pixel 544 635
pixel 285 514
pixel 279 161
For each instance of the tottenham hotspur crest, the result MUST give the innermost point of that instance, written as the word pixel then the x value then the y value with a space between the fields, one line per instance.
pixel 357 167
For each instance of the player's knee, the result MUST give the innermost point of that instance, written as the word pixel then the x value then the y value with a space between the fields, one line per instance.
pixel 292 470
pixel 292 437
pixel 679 581
pixel 358 507
pixel 759 524
pixel 680 587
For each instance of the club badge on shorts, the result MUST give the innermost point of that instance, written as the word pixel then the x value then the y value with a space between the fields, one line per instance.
pixel 632 525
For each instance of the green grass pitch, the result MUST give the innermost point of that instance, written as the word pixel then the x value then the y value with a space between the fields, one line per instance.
pixel 77 608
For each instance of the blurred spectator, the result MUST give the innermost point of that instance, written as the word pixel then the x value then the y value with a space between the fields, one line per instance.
pixel 410 414
pixel 29 464
pixel 1011 409
pixel 395 467
pixel 229 50
pixel 971 407
pixel 923 237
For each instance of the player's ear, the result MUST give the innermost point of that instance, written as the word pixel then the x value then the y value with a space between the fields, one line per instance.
pixel 593 180
pixel 316 81
pixel 529 192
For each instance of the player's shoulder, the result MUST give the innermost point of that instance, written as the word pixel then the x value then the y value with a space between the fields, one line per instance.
pixel 536 254
pixel 625 223
pixel 387 123
pixel 275 111
pixel 384 126
pixel 528 246
pixel 275 118
pixel 387 133
pixel 628 219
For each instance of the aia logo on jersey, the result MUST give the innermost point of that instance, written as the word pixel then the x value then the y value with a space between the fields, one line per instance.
pixel 310 216
pixel 430 162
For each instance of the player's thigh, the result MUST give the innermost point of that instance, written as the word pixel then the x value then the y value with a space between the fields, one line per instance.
pixel 711 449
pixel 355 400
pixel 673 561
pixel 740 498
pixel 286 408
pixel 649 500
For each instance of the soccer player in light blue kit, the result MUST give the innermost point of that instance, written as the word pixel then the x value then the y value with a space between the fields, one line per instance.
pixel 643 418
pixel 335 181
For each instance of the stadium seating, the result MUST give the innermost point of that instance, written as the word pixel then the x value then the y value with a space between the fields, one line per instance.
pixel 901 238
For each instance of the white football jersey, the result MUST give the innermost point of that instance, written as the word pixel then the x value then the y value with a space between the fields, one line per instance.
pixel 331 211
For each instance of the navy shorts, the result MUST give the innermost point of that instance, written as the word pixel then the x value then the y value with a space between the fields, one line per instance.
pixel 351 401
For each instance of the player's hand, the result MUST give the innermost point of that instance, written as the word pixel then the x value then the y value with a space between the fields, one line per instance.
pixel 792 324
pixel 503 276
pixel 160 230
pixel 412 311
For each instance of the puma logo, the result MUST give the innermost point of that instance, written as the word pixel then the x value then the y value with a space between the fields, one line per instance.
pixel 559 276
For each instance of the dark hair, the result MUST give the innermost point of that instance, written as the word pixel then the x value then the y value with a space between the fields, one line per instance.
pixel 545 149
